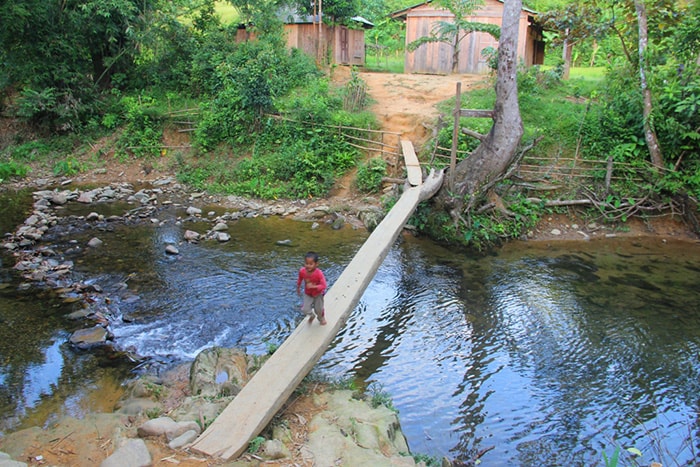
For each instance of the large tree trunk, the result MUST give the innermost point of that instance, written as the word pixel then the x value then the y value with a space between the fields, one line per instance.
pixel 497 151
pixel 649 133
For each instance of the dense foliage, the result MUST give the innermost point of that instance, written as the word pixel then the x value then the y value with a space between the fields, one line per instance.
pixel 264 118
pixel 155 56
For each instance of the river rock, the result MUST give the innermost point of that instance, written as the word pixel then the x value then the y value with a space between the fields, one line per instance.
pixel 166 426
pixel 164 181
pixel 338 223
pixel 108 194
pixel 191 236
pixel 138 406
pixel 133 453
pixel 59 198
pixel 222 237
pixel 192 211
pixel 357 433
pixel 6 461
pixel 218 371
pixel 172 250
pixel 183 440
pixel 86 197
pixel 371 217
pixel 95 242
pixel 141 197
pixel 220 227
pixel 274 449
pixel 32 220
pixel 90 337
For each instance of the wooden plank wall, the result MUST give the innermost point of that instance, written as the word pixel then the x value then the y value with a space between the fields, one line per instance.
pixel 436 57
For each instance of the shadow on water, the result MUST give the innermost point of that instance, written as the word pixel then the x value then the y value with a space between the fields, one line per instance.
pixel 550 354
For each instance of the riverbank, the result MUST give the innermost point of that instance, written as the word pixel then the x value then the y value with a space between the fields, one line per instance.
pixel 550 230
pixel 73 442
pixel 158 418
pixel 345 201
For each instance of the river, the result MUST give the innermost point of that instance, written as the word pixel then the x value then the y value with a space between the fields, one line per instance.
pixel 538 354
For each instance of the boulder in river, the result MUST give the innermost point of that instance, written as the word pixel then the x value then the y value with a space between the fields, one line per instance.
pixel 90 337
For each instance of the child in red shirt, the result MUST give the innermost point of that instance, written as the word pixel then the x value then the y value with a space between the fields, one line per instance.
pixel 314 288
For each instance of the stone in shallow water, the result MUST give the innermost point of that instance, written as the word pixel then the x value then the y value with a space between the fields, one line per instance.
pixel 88 338
pixel 95 242
pixel 191 236
pixel 223 237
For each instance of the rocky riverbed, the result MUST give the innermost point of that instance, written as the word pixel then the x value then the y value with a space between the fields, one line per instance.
pixel 316 427
pixel 43 265
pixel 159 417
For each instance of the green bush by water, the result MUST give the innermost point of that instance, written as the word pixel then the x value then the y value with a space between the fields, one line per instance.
pixel 370 174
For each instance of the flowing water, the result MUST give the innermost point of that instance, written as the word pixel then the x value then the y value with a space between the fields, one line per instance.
pixel 535 355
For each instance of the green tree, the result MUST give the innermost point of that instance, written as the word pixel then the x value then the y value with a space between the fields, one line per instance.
pixel 62 54
pixel 572 24
pixel 331 11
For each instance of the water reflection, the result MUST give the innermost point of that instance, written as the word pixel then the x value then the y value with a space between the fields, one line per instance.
pixel 550 355
pixel 547 356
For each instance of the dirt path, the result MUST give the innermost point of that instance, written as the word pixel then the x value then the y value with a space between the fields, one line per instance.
pixel 406 104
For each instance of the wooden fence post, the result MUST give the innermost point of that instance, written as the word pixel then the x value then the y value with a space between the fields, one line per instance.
pixel 455 135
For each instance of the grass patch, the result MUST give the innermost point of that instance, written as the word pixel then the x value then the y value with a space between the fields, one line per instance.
pixel 587 73
pixel 227 12
pixel 393 63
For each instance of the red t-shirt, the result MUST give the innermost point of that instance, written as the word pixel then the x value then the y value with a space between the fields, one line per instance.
pixel 315 278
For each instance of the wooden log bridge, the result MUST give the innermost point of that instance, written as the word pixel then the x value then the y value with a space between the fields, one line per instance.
pixel 267 391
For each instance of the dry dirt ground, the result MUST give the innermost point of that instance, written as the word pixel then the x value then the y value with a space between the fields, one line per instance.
pixel 406 103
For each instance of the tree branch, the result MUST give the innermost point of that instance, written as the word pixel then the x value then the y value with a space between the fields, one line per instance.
pixel 473 134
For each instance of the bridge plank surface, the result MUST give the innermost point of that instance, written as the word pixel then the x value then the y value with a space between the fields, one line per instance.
pixel 413 172
pixel 265 394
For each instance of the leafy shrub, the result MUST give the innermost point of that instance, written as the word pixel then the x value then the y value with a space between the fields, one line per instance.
pixel 370 174
pixel 51 110
pixel 68 167
pixel 378 396
pixel 30 150
pixel 225 120
pixel 355 97
pixel 143 133
pixel 255 444
pixel 491 56
pixel 12 169
pixel 534 80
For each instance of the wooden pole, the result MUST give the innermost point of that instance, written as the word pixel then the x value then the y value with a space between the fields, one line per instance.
pixel 455 135
pixel 321 45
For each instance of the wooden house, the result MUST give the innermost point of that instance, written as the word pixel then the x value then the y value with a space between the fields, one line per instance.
pixel 437 57
pixel 341 45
